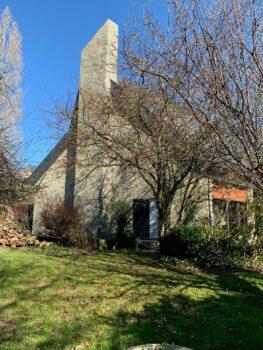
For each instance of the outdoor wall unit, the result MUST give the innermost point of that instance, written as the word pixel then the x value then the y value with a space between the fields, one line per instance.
pixel 145 219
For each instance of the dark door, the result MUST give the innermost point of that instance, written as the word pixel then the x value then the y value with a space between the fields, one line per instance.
pixel 141 224
pixel 30 213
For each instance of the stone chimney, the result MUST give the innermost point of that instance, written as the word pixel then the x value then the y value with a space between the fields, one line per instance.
pixel 99 60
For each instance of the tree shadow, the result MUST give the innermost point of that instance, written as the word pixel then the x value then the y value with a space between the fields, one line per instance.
pixel 169 306
pixel 225 321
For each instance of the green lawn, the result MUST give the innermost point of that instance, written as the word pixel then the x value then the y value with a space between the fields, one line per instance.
pixel 58 299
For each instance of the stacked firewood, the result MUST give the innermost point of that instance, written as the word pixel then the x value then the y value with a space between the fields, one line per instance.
pixel 14 235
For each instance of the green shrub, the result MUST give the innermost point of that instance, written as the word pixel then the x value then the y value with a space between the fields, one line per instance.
pixel 183 242
pixel 211 248
pixel 225 251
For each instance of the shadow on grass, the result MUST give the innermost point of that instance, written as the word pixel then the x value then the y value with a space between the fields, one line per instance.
pixel 229 318
pixel 226 321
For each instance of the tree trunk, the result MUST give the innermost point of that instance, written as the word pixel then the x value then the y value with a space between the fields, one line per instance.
pixel 164 216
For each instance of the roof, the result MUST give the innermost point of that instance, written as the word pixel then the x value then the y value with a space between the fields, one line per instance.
pixel 50 159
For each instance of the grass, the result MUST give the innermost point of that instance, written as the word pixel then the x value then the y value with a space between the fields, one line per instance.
pixel 58 299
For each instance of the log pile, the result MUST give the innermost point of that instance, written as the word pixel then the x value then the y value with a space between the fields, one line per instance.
pixel 14 235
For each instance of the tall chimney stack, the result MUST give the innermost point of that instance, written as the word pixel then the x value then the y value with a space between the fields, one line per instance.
pixel 99 60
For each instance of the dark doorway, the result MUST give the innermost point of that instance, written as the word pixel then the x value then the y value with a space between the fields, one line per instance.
pixel 30 213
pixel 141 224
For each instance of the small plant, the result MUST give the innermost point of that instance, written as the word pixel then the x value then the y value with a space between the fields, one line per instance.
pixel 80 238
pixel 66 224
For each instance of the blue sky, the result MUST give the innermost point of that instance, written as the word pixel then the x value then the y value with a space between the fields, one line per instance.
pixel 54 33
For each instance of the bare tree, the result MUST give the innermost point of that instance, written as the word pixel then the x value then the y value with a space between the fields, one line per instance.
pixel 210 57
pixel 140 130
pixel 11 179
pixel 191 94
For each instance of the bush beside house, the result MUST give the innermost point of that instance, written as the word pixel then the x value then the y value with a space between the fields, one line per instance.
pixel 212 248
pixel 65 224
pixel 206 247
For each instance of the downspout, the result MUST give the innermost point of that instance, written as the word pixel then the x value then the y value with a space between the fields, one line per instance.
pixel 210 204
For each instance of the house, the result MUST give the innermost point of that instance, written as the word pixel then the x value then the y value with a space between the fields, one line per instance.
pixel 62 178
